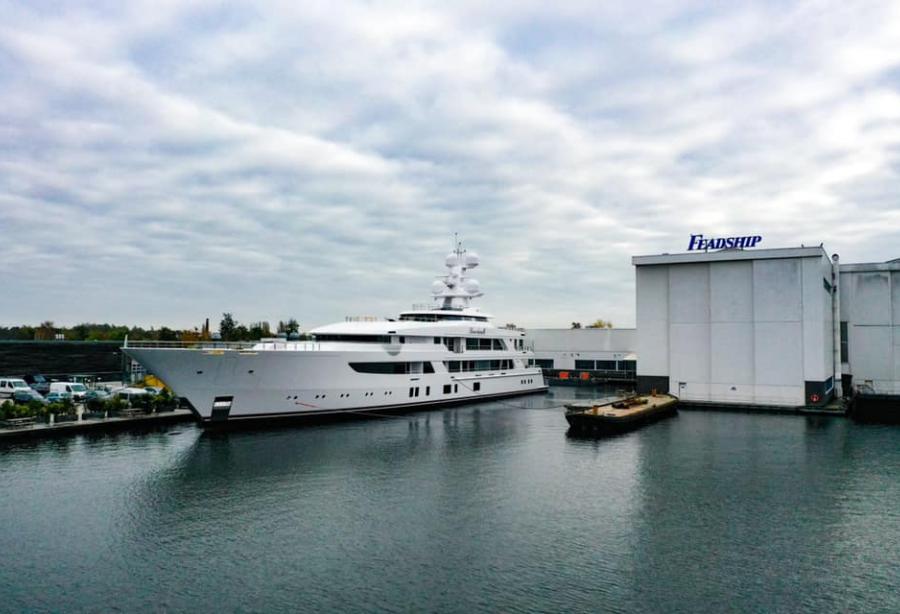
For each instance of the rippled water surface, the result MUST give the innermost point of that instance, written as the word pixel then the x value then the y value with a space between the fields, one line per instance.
pixel 478 508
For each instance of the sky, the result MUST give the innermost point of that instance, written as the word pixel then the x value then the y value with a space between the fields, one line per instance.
pixel 163 162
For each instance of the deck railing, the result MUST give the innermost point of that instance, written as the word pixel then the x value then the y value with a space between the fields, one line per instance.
pixel 204 345
pixel 263 344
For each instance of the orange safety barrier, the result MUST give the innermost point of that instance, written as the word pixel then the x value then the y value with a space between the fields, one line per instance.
pixel 563 375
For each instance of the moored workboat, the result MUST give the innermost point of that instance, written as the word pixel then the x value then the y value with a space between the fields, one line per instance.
pixel 620 415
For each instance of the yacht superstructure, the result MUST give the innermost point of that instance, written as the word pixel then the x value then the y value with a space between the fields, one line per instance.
pixel 448 352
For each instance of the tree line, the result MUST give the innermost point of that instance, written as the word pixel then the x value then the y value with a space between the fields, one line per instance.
pixel 229 330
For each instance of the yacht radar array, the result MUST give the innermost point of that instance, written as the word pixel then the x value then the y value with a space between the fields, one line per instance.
pixel 454 290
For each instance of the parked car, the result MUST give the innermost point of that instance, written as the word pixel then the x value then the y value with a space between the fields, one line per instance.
pixel 76 390
pixel 56 397
pixel 26 395
pixel 129 393
pixel 10 385
pixel 38 382
pixel 100 395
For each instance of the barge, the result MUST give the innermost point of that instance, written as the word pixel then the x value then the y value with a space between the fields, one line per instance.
pixel 621 415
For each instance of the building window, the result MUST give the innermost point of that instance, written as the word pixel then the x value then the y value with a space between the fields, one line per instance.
pixel 543 363
pixel 629 366
pixel 607 365
pixel 584 365
pixel 845 343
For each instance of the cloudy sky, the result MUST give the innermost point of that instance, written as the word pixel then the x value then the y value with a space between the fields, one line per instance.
pixel 165 161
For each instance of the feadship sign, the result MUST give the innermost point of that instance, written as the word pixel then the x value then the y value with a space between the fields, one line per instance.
pixel 698 242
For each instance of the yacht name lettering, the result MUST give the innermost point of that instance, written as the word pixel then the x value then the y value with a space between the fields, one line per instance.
pixel 477 331
pixel 699 243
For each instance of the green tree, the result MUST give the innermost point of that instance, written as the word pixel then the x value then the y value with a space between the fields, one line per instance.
pixel 227 327
pixel 259 330
pixel 601 324
pixel 45 331
pixel 576 324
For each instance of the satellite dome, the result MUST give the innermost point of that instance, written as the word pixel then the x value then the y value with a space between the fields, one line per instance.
pixel 472 260
pixel 438 287
pixel 452 260
pixel 471 286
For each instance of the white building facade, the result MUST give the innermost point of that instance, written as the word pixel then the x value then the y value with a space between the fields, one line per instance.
pixel 746 327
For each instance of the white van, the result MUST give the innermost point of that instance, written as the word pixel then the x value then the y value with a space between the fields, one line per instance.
pixel 74 389
pixel 10 385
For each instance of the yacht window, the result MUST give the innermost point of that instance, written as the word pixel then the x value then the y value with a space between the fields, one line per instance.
pixel 354 338
pixel 475 343
pixel 380 367
pixel 447 388
pixel 498 344
pixel 456 366
pixel 392 367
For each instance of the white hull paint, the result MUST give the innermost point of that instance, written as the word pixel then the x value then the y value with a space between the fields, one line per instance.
pixel 272 383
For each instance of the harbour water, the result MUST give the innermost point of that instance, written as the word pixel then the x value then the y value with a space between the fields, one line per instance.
pixel 487 507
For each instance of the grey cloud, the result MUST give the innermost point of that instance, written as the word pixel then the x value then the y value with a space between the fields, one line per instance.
pixel 163 162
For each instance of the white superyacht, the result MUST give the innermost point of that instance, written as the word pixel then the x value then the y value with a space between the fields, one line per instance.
pixel 445 353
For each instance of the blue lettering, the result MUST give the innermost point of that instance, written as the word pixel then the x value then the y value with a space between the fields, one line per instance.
pixel 697 242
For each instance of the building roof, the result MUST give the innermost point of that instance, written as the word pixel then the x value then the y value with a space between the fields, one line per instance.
pixel 731 254
pixel 890 265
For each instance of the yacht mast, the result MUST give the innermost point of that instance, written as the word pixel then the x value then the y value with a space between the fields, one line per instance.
pixel 455 290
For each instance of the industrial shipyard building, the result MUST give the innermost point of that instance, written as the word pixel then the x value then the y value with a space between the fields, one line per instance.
pixel 782 328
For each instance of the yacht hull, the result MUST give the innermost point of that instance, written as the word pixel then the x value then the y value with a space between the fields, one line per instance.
pixel 232 385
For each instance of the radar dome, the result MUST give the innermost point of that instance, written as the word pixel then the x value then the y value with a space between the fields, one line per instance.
pixel 438 287
pixel 472 260
pixel 471 286
pixel 452 260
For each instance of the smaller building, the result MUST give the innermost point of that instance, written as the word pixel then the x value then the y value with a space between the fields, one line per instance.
pixel 870 326
pixel 605 352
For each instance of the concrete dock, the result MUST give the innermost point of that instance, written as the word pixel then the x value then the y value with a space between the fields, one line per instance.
pixel 41 430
